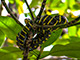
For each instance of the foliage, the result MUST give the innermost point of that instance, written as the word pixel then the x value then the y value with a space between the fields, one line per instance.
pixel 67 44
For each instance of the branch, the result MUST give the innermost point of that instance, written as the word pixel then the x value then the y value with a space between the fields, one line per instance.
pixel 8 10
pixel 72 23
pixel 29 10
pixel 25 57
pixel 41 10
pixel 41 50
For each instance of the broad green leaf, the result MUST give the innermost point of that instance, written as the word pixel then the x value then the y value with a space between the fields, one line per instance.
pixel 70 50
pixel 14 50
pixel 54 36
pixel 2 38
pixel 5 55
pixel 72 31
pixel 65 41
pixel 9 27
pixel 61 42
pixel 74 39
pixel 44 54
pixel 2 50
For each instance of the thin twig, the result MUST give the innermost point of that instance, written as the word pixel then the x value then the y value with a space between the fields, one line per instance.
pixel 41 50
pixel 41 10
pixel 29 10
pixel 8 10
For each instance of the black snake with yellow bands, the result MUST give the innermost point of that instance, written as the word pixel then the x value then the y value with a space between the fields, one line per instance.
pixel 42 34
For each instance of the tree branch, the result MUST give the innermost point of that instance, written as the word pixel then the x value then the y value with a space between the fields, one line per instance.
pixel 72 23
pixel 25 57
pixel 41 50
pixel 29 10
pixel 8 10
pixel 41 10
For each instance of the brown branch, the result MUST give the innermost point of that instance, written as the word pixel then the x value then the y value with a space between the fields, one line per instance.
pixel 41 50
pixel 41 10
pixel 25 57
pixel 29 10
pixel 72 23
pixel 8 10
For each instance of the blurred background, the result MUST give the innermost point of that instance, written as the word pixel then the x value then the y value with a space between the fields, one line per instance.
pixel 68 8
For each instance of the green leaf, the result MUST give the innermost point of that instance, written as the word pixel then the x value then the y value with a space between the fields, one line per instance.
pixel 14 50
pixel 55 3
pixel 70 50
pixel 61 42
pixel 76 6
pixel 78 32
pixel 54 37
pixel 71 3
pixel 2 38
pixel 9 27
pixel 17 2
pixel 44 54
pixel 34 3
pixel 72 31
pixel 74 39
pixel 5 55
pixel 34 52
pixel 11 1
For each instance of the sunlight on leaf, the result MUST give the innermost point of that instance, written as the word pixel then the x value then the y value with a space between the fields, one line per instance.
pixel 65 36
pixel 11 1
pixel 20 7
pixel 6 55
pixel 70 50
pixel 9 27
pixel 10 41
pixel 78 32
pixel 13 50
pixel 61 12
pixel 61 42
pixel 72 31
pixel 2 38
